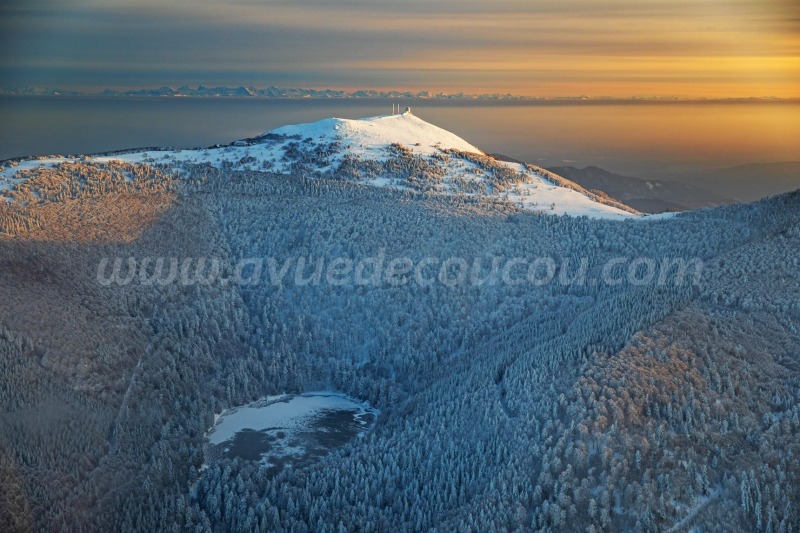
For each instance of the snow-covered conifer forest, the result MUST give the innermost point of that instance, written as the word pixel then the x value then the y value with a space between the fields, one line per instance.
pixel 552 407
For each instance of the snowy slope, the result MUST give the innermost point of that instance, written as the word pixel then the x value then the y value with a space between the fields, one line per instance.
pixel 367 136
pixel 400 151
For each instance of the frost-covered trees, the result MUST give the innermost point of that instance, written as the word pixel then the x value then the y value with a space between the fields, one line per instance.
pixel 569 407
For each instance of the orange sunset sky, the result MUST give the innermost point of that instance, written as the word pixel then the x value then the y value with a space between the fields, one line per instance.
pixel 689 48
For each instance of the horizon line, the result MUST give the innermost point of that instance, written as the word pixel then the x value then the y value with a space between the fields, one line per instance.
pixel 242 91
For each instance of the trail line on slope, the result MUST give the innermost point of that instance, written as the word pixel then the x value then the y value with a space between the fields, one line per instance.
pixel 112 439
pixel 686 520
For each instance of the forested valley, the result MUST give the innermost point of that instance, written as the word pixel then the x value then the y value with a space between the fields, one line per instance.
pixel 580 407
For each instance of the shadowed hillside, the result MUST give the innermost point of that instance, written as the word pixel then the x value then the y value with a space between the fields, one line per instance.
pixel 503 406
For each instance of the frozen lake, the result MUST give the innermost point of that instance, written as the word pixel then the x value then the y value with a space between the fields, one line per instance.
pixel 289 430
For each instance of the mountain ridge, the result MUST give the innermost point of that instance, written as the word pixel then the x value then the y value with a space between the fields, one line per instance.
pixel 648 195
pixel 621 405
pixel 400 151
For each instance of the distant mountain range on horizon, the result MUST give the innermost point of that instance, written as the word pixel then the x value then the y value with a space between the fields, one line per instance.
pixel 294 92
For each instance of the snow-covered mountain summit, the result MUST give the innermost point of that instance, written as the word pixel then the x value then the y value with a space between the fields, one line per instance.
pixel 401 151
pixel 368 136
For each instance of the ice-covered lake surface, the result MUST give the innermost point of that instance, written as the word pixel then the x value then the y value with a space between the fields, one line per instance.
pixel 289 430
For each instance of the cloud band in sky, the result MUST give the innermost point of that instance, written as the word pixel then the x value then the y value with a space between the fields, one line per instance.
pixel 707 48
